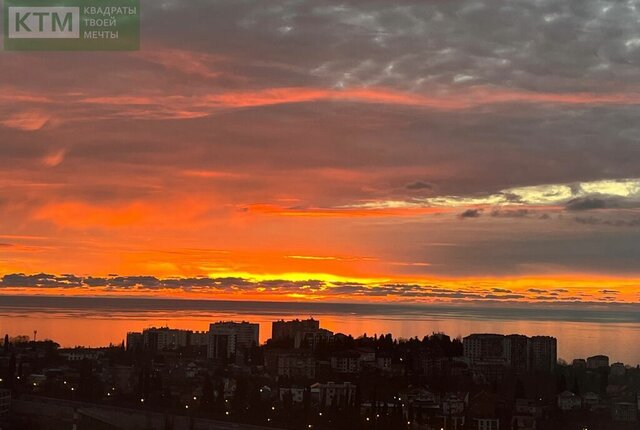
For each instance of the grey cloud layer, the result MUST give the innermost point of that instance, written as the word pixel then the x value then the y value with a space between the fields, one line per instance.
pixel 545 44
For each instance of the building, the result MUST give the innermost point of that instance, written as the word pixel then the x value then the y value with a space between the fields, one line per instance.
pixel 579 363
pixel 483 347
pixel 568 401
pixel 543 353
pixel 301 333
pixel 165 338
pixel 346 362
pixel 422 406
pixel 310 339
pixel 433 366
pixel 80 354
pixel 482 412
pixel 516 352
pixel 293 394
pixel 491 355
pixel 524 415
pixel 122 378
pixel 199 338
pixel 135 341
pixel 590 400
pixel 282 329
pixel 292 363
pixel 453 410
pixel 453 404
pixel 5 404
pixel 227 339
pixel 597 361
pixel 486 356
pixel 523 422
pixel 383 361
pixel 618 369
pixel 331 394
pixel 624 412
pixel 297 366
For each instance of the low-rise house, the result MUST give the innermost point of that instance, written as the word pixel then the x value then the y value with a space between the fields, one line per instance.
pixel 590 400
pixel 346 362
pixel 618 370
pixel 453 404
pixel 579 363
pixel 297 366
pixel 523 422
pixel 482 412
pixel 527 407
pixel 568 401
pixel 293 394
pixel 597 362
pixel 383 361
pixel 624 412
pixel 525 413
pixel 332 394
pixel 80 354
pixel 122 378
pixel 292 363
pixel 5 404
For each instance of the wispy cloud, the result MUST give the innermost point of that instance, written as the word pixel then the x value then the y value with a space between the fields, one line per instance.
pixel 26 121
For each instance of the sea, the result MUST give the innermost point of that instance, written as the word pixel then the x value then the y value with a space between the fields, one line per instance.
pixel 581 330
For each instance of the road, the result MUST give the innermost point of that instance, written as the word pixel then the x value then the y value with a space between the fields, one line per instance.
pixel 124 418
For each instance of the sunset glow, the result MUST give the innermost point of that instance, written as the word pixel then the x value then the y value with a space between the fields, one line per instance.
pixel 400 163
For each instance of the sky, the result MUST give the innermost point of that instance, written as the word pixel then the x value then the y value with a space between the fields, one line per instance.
pixel 417 151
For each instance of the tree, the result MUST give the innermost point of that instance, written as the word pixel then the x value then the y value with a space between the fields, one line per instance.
pixel 11 371
pixel 208 396
pixel 168 423
pixel 576 387
pixel 519 391
pixel 562 383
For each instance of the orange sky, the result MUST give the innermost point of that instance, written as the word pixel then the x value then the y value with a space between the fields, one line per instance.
pixel 327 154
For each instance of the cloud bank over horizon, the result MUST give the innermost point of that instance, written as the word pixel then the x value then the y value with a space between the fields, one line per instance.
pixel 457 292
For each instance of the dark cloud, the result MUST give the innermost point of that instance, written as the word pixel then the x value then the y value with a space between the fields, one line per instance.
pixel 41 280
pixel 519 213
pixel 528 45
pixel 542 248
pixel 595 221
pixel 536 290
pixel 419 185
pixel 546 298
pixel 585 204
pixel 511 213
pixel 504 296
pixel 471 213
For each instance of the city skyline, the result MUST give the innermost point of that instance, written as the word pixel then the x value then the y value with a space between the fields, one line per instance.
pixel 308 377
pixel 368 152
